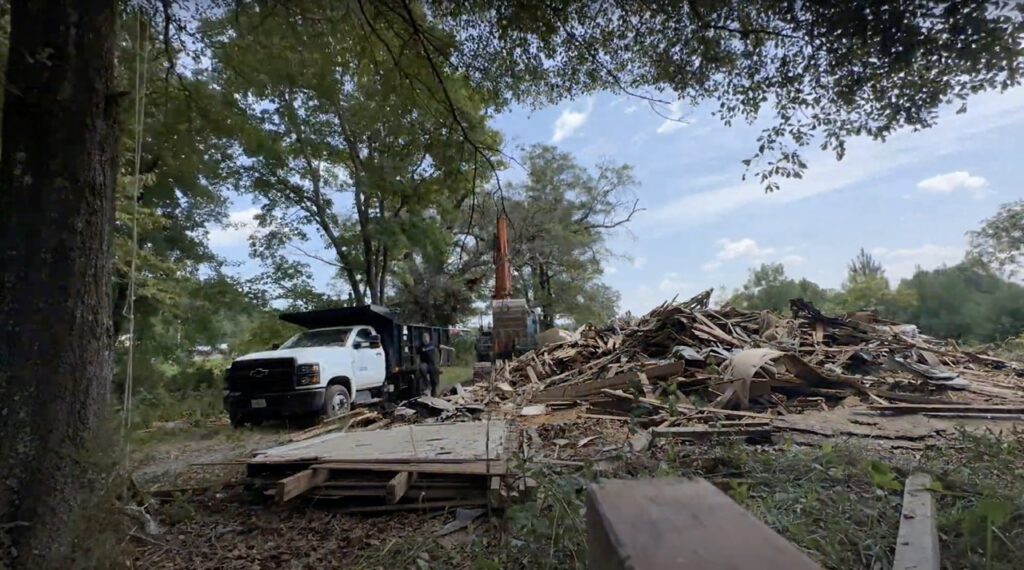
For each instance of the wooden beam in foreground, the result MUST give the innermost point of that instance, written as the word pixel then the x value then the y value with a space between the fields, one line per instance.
pixel 917 543
pixel 295 485
pixel 675 523
pixel 398 486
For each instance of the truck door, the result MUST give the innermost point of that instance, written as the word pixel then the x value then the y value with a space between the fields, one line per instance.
pixel 370 366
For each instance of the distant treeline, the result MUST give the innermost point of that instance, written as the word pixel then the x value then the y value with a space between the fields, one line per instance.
pixel 967 302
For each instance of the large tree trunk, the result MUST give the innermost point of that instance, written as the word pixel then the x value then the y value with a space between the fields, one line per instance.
pixel 57 176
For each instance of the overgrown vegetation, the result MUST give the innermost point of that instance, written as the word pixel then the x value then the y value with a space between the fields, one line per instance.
pixel 192 393
pixel 839 502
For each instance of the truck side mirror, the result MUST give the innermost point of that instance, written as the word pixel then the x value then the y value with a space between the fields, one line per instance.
pixel 275 346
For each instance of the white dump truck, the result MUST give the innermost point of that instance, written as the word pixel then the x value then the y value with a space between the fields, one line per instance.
pixel 350 355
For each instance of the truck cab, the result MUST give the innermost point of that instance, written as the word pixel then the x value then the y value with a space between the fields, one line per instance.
pixel 350 355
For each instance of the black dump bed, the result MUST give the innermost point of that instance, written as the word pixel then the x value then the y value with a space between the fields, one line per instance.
pixel 401 341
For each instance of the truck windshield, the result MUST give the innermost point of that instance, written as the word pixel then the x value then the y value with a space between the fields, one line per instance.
pixel 324 337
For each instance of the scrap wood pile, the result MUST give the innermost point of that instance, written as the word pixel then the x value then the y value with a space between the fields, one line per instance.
pixel 689 364
pixel 422 466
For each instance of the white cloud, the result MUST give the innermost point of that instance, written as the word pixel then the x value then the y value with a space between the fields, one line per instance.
pixel 949 182
pixel 639 262
pixel 902 263
pixel 672 283
pixel 749 250
pixel 631 109
pixel 610 270
pixel 865 160
pixel 569 121
pixel 675 120
pixel 237 230
pixel 745 248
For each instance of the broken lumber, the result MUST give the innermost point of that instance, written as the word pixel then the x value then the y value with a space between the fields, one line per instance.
pixel 917 541
pixel 675 523
pixel 533 375
pixel 974 416
pixel 398 486
pixel 957 408
pixel 297 484
pixel 683 408
pixel 585 390
pixel 664 371
pixel 699 433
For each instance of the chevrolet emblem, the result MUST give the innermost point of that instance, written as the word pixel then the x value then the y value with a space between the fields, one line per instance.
pixel 259 372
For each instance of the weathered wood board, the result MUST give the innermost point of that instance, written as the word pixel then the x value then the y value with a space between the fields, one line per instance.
pixel 674 523
pixel 917 542
pixel 448 442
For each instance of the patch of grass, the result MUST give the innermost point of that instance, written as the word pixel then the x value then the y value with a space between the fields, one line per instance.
pixel 980 499
pixel 452 375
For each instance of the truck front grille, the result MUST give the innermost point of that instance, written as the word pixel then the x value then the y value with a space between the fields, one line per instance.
pixel 262 376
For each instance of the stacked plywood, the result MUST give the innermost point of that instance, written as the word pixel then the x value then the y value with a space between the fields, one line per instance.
pixel 406 467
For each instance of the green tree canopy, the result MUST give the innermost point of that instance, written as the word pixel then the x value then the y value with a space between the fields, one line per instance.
pixel 864 266
pixel 817 72
pixel 352 148
pixel 966 301
pixel 768 287
pixel 560 218
pixel 824 71
pixel 1000 241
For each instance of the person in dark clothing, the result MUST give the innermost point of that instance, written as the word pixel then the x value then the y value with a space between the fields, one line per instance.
pixel 428 365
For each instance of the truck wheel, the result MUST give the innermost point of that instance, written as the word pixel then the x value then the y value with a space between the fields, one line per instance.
pixel 237 420
pixel 336 401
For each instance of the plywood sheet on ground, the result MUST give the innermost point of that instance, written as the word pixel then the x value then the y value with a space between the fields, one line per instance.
pixel 857 422
pixel 448 442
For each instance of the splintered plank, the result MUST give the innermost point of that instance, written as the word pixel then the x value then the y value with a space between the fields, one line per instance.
pixel 684 408
pixel 297 484
pixel 532 375
pixel 696 433
pixel 667 370
pixel 917 542
pixel 398 486
pixel 958 408
pixel 675 523
pixel 585 389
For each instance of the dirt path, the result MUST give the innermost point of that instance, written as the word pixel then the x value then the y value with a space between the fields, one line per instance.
pixel 168 457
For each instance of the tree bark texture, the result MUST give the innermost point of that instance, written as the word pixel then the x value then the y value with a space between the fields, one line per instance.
pixel 57 177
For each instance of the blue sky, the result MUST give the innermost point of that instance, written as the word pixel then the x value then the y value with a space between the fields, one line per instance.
pixel 909 200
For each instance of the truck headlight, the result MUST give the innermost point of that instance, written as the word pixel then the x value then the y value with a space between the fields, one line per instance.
pixel 307 374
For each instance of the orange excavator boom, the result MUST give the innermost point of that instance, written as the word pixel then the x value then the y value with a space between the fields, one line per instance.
pixel 502 269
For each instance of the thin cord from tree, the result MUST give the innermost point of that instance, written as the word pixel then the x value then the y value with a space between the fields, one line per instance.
pixel 142 52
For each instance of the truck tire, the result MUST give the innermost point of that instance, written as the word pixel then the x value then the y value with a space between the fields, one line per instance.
pixel 337 401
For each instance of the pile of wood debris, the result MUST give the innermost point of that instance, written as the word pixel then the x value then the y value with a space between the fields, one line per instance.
pixel 683 371
pixel 693 371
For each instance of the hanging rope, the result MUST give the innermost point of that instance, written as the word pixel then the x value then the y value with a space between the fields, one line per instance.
pixel 141 58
